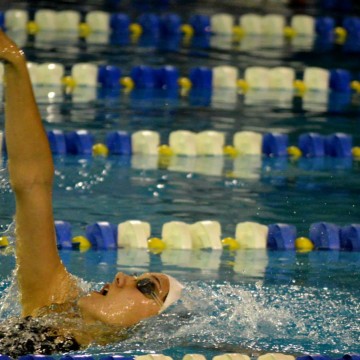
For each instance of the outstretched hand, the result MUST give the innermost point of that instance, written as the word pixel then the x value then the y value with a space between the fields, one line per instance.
pixel 9 51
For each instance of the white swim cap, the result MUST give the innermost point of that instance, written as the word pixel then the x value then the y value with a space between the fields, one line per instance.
pixel 175 289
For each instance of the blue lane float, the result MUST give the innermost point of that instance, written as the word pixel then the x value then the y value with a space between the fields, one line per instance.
pixel 170 24
pixel 2 20
pixel 5 357
pixel 275 144
pixel 350 357
pixel 313 357
pixel 102 235
pixel 340 80
pixel 281 237
pixel 200 24
pixel 77 357
pixel 325 26
pixel 57 142
pixel 143 77
pixel 119 143
pixel 338 145
pixel 79 142
pixel 109 76
pixel 352 26
pixel 201 78
pixel 167 78
pixel 119 24
pixel 325 236
pixel 63 234
pixel 147 79
pixel 350 238
pixel 150 24
pixel 337 5
pixel 312 145
pixel 120 357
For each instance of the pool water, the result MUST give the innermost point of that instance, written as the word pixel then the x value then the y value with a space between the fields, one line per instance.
pixel 111 190
pixel 248 301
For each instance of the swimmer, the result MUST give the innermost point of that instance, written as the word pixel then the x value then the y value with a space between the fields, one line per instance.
pixel 47 289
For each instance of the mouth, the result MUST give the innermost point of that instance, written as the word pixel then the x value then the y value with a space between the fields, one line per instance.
pixel 104 291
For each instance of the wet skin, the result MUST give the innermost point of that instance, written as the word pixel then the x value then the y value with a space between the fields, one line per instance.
pixel 46 282
pixel 122 302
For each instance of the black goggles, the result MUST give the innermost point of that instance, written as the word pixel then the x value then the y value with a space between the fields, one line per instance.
pixel 148 288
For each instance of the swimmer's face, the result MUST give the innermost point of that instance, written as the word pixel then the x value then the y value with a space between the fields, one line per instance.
pixel 126 300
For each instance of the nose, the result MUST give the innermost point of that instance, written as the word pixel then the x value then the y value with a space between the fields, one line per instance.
pixel 121 279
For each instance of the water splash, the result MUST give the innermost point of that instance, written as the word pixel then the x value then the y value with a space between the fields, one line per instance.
pixel 10 296
pixel 10 234
pixel 252 318
pixel 216 318
pixel 10 300
pixel 4 179
pixel 210 316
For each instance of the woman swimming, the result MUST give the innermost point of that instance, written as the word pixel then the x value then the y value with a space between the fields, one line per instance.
pixel 47 290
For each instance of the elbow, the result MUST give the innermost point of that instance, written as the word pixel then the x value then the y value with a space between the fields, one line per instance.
pixel 27 186
pixel 25 179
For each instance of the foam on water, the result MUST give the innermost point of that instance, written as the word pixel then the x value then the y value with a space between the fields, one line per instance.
pixel 228 318
pixel 252 317
pixel 10 298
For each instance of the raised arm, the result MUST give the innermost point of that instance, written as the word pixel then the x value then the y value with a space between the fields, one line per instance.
pixel 41 275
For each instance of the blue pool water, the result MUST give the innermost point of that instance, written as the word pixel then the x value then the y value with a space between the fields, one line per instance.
pixel 110 190
pixel 247 301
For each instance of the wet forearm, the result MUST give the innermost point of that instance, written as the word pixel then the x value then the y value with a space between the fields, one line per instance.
pixel 28 149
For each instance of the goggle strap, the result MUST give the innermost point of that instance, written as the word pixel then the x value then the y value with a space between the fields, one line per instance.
pixel 157 299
